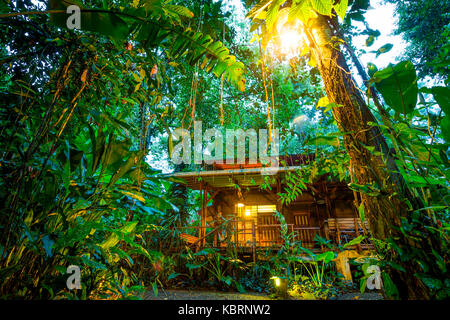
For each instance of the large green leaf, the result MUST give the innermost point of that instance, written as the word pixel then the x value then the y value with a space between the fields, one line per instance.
pixel 116 235
pixel 386 48
pixel 398 86
pixel 322 6
pixel 445 127
pixel 98 147
pixel 106 23
pixel 361 212
pixel 300 10
pixel 371 69
pixel 134 158
pixel 272 13
pixel 442 97
pixel 326 257
pixel 355 241
pixel 389 287
pixel 323 141
pixel 117 151
pixel 159 32
pixel 341 8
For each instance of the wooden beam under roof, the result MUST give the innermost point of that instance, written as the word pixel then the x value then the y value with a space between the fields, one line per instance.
pixel 220 178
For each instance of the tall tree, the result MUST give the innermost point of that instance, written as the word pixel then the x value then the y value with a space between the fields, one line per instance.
pixel 389 204
pixel 422 24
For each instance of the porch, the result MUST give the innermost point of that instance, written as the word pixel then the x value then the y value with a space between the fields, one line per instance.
pixel 239 207
pixel 265 234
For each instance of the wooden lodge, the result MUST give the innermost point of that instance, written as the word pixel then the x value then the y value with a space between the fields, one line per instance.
pixel 236 209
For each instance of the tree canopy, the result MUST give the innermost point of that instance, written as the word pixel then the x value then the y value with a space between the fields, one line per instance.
pixel 427 39
pixel 90 113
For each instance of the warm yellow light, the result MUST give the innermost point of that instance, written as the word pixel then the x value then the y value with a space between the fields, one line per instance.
pixel 277 282
pixel 267 208
pixel 290 40
pixel 247 213
pixel 240 205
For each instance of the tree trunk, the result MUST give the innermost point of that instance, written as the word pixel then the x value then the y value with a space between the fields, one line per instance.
pixel 385 211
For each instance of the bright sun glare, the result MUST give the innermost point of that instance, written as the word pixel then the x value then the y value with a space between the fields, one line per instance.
pixel 290 40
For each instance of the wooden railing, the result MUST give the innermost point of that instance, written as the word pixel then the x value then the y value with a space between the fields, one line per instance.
pixel 342 230
pixel 246 233
pixel 249 234
pixel 306 235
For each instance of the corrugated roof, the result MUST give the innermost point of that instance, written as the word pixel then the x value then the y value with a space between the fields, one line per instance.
pixel 250 177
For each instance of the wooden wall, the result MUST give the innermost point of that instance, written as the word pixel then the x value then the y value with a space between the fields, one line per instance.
pixel 305 212
pixel 340 207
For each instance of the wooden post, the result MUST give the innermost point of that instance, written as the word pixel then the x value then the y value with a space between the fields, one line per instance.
pixel 338 231
pixel 236 232
pixel 200 231
pixel 326 230
pixel 332 212
pixel 205 208
pixel 358 246
pixel 320 225
pixel 292 231
pixel 279 209
pixel 254 241
pixel 327 201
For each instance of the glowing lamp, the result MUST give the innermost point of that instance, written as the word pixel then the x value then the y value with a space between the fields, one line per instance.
pixel 280 286
pixel 248 213
pixel 240 205
pixel 277 281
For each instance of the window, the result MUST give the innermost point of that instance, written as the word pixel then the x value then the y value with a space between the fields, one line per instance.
pixel 251 212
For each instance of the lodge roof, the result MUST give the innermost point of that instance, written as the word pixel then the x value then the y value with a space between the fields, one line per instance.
pixel 248 177
pixel 225 175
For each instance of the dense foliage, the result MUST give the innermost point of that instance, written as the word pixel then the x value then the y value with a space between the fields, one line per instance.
pixel 427 39
pixel 88 115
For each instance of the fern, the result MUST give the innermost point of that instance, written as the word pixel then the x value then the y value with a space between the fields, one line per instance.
pixel 178 10
pixel 272 13
pixel 294 187
pixel 194 46
pixel 160 28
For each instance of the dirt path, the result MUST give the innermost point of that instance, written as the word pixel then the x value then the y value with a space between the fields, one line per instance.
pixel 359 296
pixel 203 295
pixel 214 295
